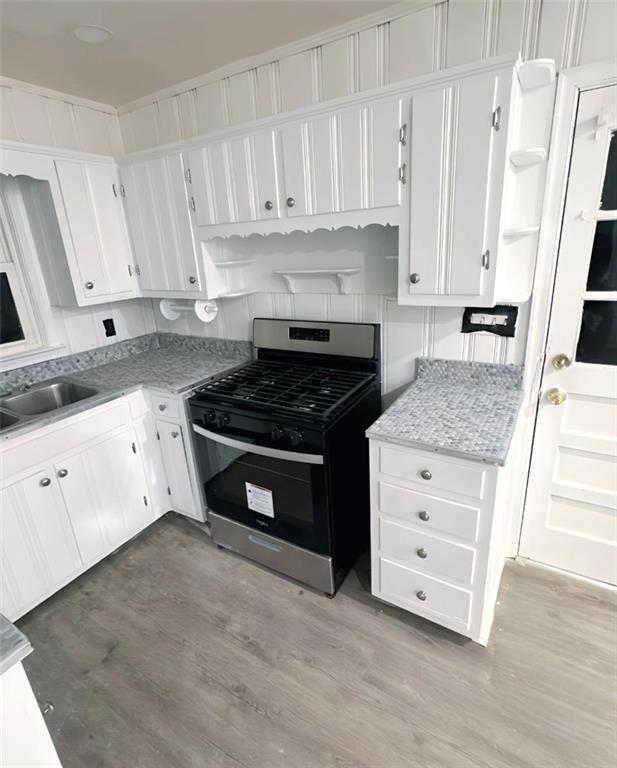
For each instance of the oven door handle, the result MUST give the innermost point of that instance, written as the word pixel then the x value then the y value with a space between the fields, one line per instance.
pixel 275 453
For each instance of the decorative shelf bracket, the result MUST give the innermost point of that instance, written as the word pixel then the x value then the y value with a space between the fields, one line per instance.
pixel 342 276
pixel 520 231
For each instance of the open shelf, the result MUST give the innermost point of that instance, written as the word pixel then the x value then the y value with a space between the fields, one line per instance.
pixel 521 231
pixel 234 263
pixel 236 294
pixel 525 158
pixel 291 276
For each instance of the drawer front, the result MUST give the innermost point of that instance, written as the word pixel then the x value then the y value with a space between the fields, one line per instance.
pixel 404 587
pixel 429 512
pixel 167 407
pixel 422 467
pixel 427 553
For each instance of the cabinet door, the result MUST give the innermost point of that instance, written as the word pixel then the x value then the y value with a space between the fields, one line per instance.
pixel 37 545
pixel 175 461
pixel 210 169
pixel 159 218
pixel 106 495
pixel 263 154
pixel 90 192
pixel 384 120
pixel 454 152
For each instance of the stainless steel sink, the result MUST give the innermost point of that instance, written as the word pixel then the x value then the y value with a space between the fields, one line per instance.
pixel 45 398
pixel 7 420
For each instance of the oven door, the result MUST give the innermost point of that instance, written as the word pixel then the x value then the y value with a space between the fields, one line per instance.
pixel 276 491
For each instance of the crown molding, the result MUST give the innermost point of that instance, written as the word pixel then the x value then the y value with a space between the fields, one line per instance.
pixel 48 93
pixel 390 13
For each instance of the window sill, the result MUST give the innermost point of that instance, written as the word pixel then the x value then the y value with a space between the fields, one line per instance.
pixel 31 356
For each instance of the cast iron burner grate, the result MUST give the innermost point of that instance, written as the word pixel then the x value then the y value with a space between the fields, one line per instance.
pixel 288 388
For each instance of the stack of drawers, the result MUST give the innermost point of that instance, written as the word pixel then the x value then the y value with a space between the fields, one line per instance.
pixel 431 528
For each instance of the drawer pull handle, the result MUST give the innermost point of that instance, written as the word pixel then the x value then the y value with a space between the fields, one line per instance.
pixel 421 595
pixel 426 475
pixel 162 407
pixel 424 516
pixel 45 482
pixel 422 553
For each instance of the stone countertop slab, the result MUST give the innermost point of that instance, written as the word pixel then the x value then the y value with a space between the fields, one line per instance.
pixel 456 408
pixel 14 645
pixel 172 365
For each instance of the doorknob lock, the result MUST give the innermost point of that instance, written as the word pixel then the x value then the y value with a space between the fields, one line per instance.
pixel 561 361
pixel 556 396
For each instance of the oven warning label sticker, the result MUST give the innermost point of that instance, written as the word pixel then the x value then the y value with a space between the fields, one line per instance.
pixel 259 499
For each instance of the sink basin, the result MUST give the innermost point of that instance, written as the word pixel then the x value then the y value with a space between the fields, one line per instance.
pixel 48 397
pixel 6 420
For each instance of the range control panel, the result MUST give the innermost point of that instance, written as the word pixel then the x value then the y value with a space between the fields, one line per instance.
pixel 309 334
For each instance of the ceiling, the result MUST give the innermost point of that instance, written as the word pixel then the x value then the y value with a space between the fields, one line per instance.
pixel 155 43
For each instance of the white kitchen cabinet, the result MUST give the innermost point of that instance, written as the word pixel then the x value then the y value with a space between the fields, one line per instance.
pixel 158 213
pixel 91 195
pixel 345 160
pixel 437 535
pixel 37 542
pixel 175 459
pixel 475 196
pixel 234 180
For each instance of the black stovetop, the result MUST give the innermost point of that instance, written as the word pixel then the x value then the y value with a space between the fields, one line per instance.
pixel 280 387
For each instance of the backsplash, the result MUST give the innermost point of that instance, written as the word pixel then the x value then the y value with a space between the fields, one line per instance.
pixel 63 366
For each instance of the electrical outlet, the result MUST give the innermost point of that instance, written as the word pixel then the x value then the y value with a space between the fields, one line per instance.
pixel 110 328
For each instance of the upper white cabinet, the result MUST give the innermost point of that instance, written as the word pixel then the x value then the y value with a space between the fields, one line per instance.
pixel 91 196
pixel 157 206
pixel 235 180
pixel 477 151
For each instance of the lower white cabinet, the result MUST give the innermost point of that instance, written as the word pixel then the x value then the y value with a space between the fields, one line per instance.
pixel 71 493
pixel 437 536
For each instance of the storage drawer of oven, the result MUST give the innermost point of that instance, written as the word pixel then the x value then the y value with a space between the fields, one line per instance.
pixel 418 550
pixel 301 564
pixel 425 595
pixel 428 512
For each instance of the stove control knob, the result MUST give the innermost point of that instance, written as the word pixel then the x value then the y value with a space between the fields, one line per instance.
pixel 295 436
pixel 277 433
pixel 221 418
pixel 211 417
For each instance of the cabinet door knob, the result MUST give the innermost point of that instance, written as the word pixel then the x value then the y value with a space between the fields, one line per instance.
pixel 269 205
pixel 174 434
pixel 421 594
pixel 89 285
pixel 192 279
pixel 63 472
pixel 46 707
pixel 422 553
pixel 426 474
pixel 162 407
pixel 424 516
pixel 414 278
pixel 290 202
pixel 45 481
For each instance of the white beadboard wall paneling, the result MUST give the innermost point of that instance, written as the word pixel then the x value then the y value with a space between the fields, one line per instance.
pixel 241 91
pixel 187 108
pixel 412 42
pixel 169 120
pixel 338 68
pixel 599 31
pixel 211 107
pixel 268 90
pixel 296 75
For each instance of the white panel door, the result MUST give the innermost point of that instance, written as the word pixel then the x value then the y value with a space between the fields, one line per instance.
pixel 296 169
pixel 175 461
pixel 571 509
pixel 90 192
pixel 265 174
pixel 211 184
pixel 384 122
pixel 158 212
pixel 455 155
pixel 37 545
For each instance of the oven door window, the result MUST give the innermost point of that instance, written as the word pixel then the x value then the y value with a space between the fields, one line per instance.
pixel 283 498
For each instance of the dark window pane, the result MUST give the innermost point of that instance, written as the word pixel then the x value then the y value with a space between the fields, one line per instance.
pixel 603 266
pixel 10 326
pixel 597 342
pixel 609 191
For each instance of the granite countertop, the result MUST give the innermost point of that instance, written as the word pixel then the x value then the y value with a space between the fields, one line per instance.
pixel 14 645
pixel 456 408
pixel 169 363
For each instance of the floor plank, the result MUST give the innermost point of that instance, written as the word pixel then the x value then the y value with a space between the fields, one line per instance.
pixel 174 653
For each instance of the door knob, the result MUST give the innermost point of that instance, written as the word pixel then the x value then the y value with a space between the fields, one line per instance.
pixel 421 595
pixel 414 278
pixel 192 279
pixel 426 474
pixel 556 396
pixel 424 516
pixel 422 553
pixel 268 205
pixel 561 361
pixel 45 482
pixel 290 202
pixel 89 285
pixel 63 472
pixel 174 434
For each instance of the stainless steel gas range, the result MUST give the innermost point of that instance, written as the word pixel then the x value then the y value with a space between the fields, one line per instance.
pixel 281 448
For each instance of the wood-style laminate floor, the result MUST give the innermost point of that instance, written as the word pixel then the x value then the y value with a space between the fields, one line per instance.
pixel 174 653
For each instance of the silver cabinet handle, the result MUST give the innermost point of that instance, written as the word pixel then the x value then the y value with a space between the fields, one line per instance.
pixel 162 407
pixel 45 481
pixel 424 516
pixel 426 474
pixel 422 553
pixel 402 173
pixel 175 434
pixel 290 202
pixel 268 205
pixel 421 594
pixel 192 279
pixel 46 707
pixel 192 203
pixel 115 190
pixel 63 472
pixel 402 134
pixel 414 278
pixel 89 285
